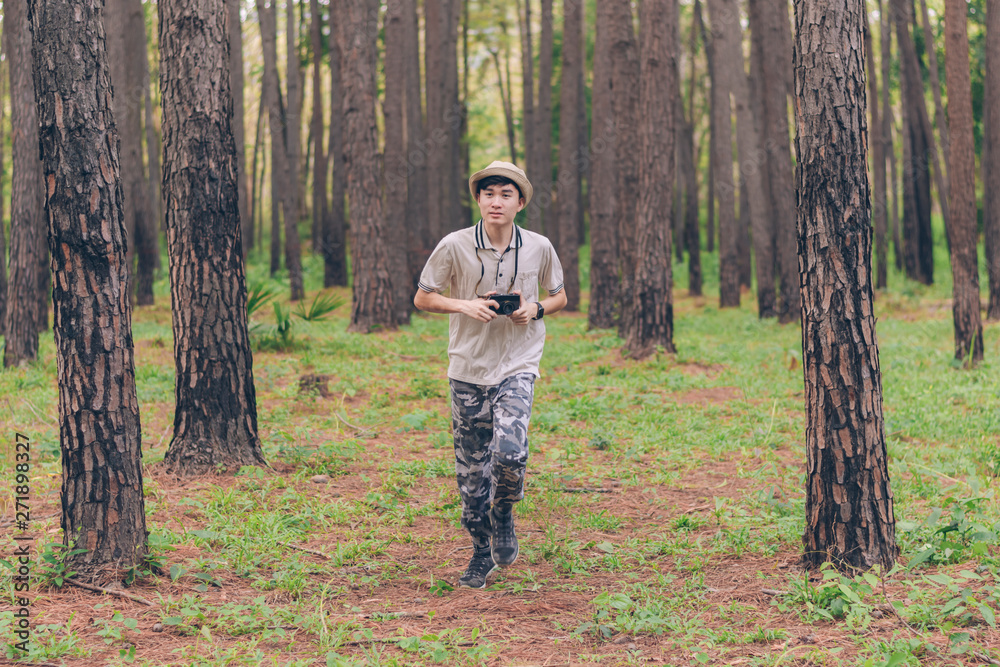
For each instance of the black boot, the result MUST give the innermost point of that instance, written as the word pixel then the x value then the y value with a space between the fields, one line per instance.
pixel 504 540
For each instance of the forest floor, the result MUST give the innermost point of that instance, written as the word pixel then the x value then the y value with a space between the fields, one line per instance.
pixel 661 523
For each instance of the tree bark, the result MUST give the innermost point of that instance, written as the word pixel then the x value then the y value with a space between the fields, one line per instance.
pixel 849 510
pixel 335 235
pixel 538 212
pixel 601 189
pixel 271 98
pixel 752 159
pixel 372 305
pixel 26 300
pixel 962 228
pixel 729 272
pixel 320 205
pixel 293 146
pixel 566 242
pixel 941 174
pixel 3 240
pixel 527 87
pixel 103 510
pixel 878 163
pixel 238 122
pixel 689 177
pixel 885 27
pixel 769 22
pixel 127 35
pixel 507 106
pixel 991 159
pixel 712 134
pixel 420 241
pixel 625 107
pixel 439 184
pixel 651 323
pixel 215 421
pixel 395 161
pixel 254 189
pixel 917 240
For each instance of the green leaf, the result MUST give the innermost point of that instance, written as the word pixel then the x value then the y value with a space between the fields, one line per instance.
pixel 988 615
pixel 606 547
pixel 897 658
pixel 921 557
pixel 173 620
pixel 130 623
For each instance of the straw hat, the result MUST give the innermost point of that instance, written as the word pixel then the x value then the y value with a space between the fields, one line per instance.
pixel 507 170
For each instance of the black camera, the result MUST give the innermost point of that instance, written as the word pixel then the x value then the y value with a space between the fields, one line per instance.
pixel 506 303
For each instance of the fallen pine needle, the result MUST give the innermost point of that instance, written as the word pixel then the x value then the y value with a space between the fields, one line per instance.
pixel 108 591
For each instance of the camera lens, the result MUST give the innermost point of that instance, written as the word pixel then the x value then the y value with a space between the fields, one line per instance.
pixel 507 308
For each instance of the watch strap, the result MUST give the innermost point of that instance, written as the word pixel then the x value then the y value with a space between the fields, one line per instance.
pixel 541 311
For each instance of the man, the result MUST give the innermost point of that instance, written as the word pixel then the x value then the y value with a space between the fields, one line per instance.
pixel 493 359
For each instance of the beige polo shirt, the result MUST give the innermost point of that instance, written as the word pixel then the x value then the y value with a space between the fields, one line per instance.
pixel 486 353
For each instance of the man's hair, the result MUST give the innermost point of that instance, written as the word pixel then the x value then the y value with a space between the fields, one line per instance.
pixel 496 180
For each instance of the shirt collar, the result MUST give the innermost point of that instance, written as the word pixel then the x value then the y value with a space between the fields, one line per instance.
pixel 482 240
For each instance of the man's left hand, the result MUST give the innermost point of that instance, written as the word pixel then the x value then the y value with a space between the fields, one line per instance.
pixel 525 313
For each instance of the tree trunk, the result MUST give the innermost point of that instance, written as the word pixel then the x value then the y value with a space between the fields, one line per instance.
pixel 271 98
pixel 254 169
pixel 878 163
pixel 127 35
pixel 538 213
pixel 3 240
pixel 238 122
pixel 885 27
pixel 962 227
pixel 320 205
pixel 527 87
pixel 335 235
pixel 689 177
pixel 215 422
pixel 991 160
pixel 712 134
pixel 651 323
pixel 917 240
pixel 505 103
pixel 566 242
pixel 372 305
pixel 420 241
pixel 293 146
pixel 769 23
pixel 395 161
pixel 103 510
pixel 26 299
pixel 743 235
pixel 625 107
pixel 939 117
pixel 153 148
pixel 752 159
pixel 601 189
pixel 461 210
pixel 849 510
pixel 729 271
pixel 439 185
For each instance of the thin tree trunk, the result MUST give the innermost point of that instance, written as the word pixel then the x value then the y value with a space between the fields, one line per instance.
pixel 153 148
pixel 395 161
pixel 320 205
pixel 991 157
pixel 461 211
pixel 885 26
pixel 878 163
pixel 215 421
pixel 939 117
pixel 849 509
pixel 3 240
pixel 372 305
pixel 271 98
pixel 651 323
pixel 712 134
pixel 603 233
pixel 25 287
pixel 692 235
pixel 254 190
pixel 755 211
pixel 436 21
pixel 566 242
pixel 769 20
pixel 420 241
pixel 527 86
pixel 962 227
pixel 538 213
pixel 729 272
pixel 743 235
pixel 508 111
pixel 238 122
pixel 103 511
pixel 917 240
pixel 293 146
pixel 625 107
pixel 335 236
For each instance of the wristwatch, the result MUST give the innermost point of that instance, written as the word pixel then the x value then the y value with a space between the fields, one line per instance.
pixel 541 311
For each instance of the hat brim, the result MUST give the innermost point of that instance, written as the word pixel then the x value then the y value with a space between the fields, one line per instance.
pixel 522 182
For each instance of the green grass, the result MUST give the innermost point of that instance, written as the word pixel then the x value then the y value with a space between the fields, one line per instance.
pixel 702 451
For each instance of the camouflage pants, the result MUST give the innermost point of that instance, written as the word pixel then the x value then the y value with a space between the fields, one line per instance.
pixel 490 425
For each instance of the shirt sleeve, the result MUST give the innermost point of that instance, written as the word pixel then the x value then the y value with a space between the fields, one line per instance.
pixel 551 275
pixel 437 273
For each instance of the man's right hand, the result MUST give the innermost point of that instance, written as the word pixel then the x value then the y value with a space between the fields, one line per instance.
pixel 479 309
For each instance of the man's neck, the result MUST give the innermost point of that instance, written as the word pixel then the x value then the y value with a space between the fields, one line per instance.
pixel 501 237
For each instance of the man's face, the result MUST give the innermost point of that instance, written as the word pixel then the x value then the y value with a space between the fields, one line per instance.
pixel 498 204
